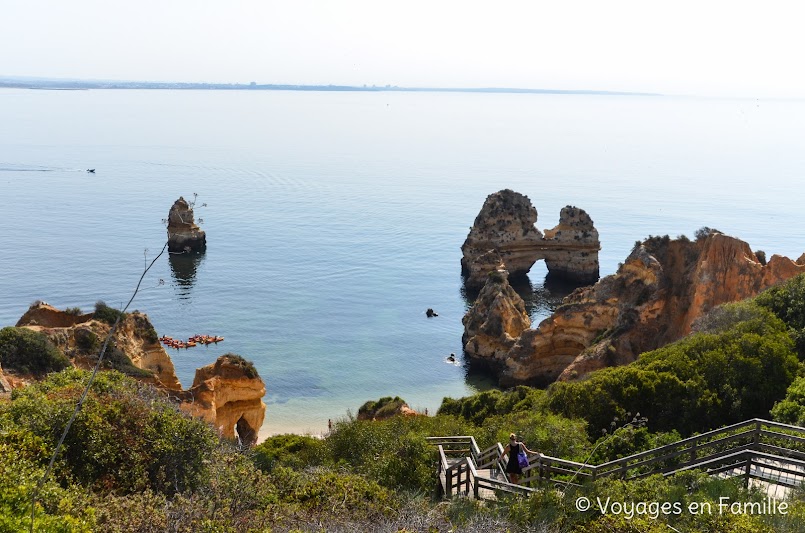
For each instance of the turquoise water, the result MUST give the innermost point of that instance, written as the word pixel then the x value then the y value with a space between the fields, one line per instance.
pixel 334 220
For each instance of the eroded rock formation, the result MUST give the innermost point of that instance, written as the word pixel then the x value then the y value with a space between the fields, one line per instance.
pixel 494 322
pixel 184 236
pixel 228 394
pixel 504 235
pixel 653 299
pixel 80 336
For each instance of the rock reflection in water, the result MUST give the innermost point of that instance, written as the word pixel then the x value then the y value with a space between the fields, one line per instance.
pixel 184 268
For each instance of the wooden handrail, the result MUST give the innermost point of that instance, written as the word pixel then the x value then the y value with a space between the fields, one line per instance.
pixel 702 451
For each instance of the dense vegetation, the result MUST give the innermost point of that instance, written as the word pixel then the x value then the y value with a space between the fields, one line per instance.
pixel 107 314
pixel 160 470
pixel 29 352
pixel 707 379
pixel 134 462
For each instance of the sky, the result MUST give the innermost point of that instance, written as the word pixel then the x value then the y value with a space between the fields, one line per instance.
pixel 712 48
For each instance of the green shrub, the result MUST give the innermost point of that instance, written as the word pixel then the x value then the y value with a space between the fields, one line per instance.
pixel 383 408
pixel 28 351
pixel 144 328
pixel 728 316
pixel 292 451
pixel 478 407
pixel 791 409
pixel 695 384
pixel 116 359
pixel 704 232
pixel 325 492
pixel 107 314
pixel 246 366
pixel 392 452
pixel 60 508
pixel 545 432
pixel 126 437
pixel 86 340
pixel 787 301
pixel 73 311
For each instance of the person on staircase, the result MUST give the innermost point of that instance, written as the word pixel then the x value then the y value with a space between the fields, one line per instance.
pixel 514 449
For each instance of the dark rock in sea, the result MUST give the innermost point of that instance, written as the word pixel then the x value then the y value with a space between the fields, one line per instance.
pixel 184 236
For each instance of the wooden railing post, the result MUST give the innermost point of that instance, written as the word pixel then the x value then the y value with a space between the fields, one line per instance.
pixel 540 470
pixel 693 455
pixel 469 471
pixel 748 476
pixel 458 479
pixel 448 478
pixel 439 487
pixel 758 429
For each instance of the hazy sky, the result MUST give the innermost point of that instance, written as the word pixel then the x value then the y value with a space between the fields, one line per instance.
pixel 702 47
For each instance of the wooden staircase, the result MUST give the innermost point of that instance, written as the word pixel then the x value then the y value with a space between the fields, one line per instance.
pixel 763 452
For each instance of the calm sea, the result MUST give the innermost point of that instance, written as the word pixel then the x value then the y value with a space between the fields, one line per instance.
pixel 334 220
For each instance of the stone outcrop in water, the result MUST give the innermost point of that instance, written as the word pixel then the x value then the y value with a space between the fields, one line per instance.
pixel 184 236
pixel 80 336
pixel 504 235
pixel 652 300
pixel 495 322
pixel 228 394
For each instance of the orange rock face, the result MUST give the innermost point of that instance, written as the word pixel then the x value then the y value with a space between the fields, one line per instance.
pixel 495 321
pixel 75 334
pixel 5 385
pixel 653 299
pixel 228 394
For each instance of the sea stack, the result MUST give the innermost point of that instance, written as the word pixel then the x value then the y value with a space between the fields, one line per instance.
pixel 229 395
pixel 504 236
pixel 184 236
pixel 494 323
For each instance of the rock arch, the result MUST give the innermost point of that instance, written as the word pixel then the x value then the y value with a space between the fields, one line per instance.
pixel 505 236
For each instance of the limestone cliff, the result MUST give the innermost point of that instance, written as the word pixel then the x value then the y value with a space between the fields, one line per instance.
pixel 184 236
pixel 494 322
pixel 228 394
pixel 653 299
pixel 80 336
pixel 504 235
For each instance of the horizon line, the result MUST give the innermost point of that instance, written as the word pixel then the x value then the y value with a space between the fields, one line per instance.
pixel 33 82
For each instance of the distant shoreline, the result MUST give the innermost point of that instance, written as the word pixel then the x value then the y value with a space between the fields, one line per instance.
pixel 65 85
pixel 59 88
